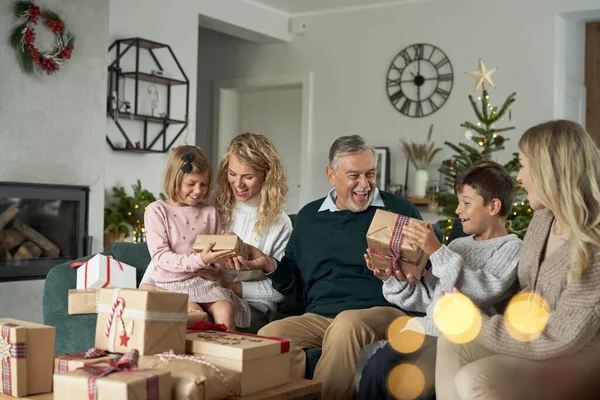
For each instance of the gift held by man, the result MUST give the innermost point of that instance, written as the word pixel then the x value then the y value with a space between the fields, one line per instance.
pixel 101 271
pixel 149 321
pixel 26 356
pixel 72 361
pixel 222 242
pixel 263 362
pixel 387 245
pixel 193 378
pixel 82 301
pixel 116 379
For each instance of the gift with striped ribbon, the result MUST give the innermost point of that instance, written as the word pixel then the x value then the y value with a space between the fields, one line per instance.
pixel 113 379
pixel 26 355
pixel 388 248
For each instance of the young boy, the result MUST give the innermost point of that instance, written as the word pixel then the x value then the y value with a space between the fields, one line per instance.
pixel 483 266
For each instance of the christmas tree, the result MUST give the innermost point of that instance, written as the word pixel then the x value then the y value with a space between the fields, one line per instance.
pixel 488 140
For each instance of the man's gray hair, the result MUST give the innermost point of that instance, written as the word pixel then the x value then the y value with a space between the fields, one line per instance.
pixel 347 145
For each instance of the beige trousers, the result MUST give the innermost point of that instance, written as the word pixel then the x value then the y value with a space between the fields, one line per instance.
pixel 470 372
pixel 341 339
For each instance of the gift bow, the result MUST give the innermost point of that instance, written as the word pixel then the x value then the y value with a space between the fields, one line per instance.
pixel 63 362
pixel 8 351
pixel 127 363
pixel 396 243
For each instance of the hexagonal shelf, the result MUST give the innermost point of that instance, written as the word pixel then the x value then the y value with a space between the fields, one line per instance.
pixel 125 110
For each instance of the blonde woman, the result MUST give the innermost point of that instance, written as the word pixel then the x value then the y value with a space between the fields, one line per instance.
pixel 560 262
pixel 250 198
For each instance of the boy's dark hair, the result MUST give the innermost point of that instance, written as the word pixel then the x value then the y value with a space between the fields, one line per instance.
pixel 492 181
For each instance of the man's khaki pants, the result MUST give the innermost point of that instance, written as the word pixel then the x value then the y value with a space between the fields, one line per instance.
pixel 341 339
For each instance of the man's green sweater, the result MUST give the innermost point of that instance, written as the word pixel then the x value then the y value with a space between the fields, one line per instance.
pixel 324 267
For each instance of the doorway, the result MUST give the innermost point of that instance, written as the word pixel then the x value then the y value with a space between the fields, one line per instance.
pixel 279 108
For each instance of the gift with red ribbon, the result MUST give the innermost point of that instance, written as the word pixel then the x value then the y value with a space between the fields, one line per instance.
pixel 113 379
pixel 254 357
pixel 387 247
pixel 103 271
pixel 69 362
pixel 26 354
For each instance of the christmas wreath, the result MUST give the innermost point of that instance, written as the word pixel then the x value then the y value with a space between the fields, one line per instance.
pixel 22 38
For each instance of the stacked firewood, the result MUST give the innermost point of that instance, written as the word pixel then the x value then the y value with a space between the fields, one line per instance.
pixel 20 241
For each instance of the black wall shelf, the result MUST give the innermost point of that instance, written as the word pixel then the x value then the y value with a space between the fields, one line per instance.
pixel 115 74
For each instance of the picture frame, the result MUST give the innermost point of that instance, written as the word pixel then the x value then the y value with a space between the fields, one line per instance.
pixel 382 162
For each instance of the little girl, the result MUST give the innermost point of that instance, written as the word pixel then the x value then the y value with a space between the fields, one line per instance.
pixel 171 229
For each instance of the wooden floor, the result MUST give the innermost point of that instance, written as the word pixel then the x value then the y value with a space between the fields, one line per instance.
pixel 302 389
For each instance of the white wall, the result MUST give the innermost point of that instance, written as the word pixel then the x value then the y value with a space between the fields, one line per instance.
pixel 569 99
pixel 349 54
pixel 50 128
pixel 277 114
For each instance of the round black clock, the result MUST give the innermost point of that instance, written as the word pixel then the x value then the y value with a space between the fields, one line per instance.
pixel 419 80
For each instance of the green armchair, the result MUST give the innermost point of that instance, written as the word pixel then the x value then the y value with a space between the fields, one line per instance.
pixel 77 332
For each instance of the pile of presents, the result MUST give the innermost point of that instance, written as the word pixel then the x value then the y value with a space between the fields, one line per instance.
pixel 146 346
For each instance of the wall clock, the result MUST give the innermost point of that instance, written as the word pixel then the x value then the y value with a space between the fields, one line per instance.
pixel 419 80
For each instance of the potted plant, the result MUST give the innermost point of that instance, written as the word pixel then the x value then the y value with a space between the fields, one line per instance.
pixel 420 155
pixel 125 215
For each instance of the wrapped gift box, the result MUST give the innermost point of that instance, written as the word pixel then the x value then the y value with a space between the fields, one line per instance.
pixel 72 361
pixel 193 378
pixel 262 362
pixel 222 242
pixel 119 379
pixel 82 301
pixel 26 355
pixel 101 271
pixel 149 321
pixel 386 244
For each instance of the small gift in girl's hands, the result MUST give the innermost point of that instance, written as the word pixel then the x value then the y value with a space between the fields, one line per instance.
pixel 222 242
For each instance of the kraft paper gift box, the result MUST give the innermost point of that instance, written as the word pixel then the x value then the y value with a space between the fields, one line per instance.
pixel 222 242
pixel 82 301
pixel 101 271
pixel 119 379
pixel 26 356
pixel 149 321
pixel 193 378
pixel 263 362
pixel 386 244
pixel 72 361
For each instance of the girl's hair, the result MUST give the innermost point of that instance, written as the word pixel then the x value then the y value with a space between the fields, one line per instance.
pixel 184 160
pixel 564 164
pixel 258 152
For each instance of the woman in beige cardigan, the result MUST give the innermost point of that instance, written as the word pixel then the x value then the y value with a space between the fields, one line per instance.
pixel 560 261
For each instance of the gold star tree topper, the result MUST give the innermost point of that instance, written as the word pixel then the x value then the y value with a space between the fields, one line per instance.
pixel 482 75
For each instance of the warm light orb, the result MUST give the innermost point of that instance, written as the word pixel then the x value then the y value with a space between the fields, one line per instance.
pixel 407 341
pixel 526 316
pixel 457 318
pixel 406 382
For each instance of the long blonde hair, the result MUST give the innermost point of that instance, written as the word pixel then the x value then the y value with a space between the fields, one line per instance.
pixel 258 152
pixel 184 158
pixel 564 151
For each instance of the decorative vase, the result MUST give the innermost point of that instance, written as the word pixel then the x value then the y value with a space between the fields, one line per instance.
pixel 419 186
pixel 110 238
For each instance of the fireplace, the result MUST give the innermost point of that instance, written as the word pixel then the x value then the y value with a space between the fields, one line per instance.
pixel 41 226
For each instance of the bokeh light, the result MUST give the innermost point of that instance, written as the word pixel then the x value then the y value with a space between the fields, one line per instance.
pixel 407 341
pixel 406 382
pixel 457 318
pixel 526 316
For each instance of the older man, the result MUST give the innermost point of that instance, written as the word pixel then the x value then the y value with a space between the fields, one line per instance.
pixel 324 269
